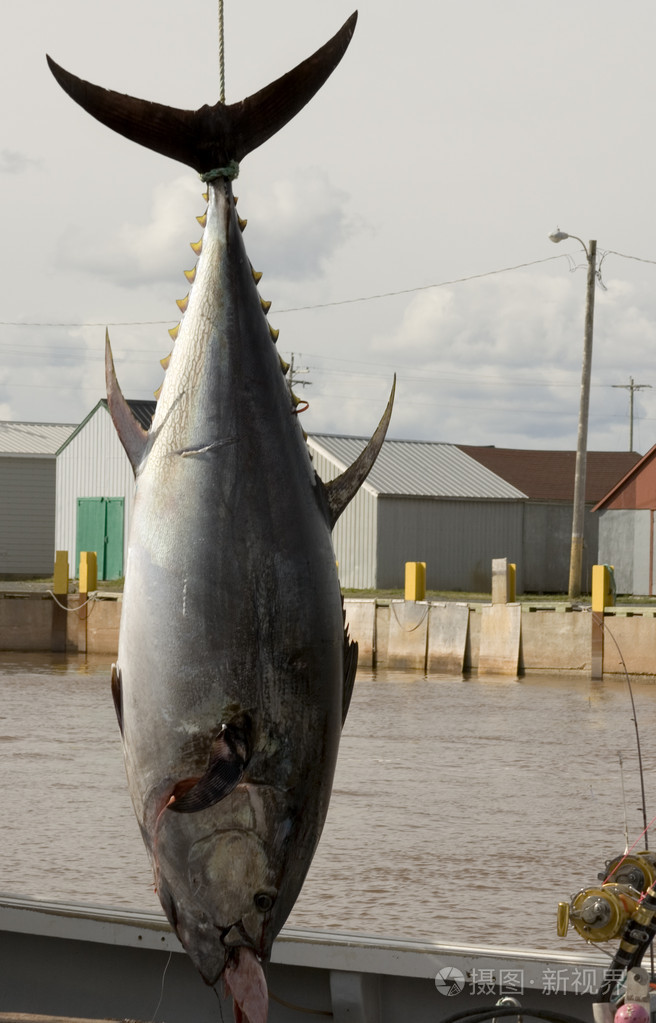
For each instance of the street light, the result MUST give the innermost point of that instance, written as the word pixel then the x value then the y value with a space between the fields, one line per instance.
pixel 578 516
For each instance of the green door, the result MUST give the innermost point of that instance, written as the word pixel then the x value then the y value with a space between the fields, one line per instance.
pixel 113 538
pixel 100 529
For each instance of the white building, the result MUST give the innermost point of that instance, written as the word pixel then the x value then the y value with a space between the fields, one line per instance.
pixel 27 496
pixel 95 491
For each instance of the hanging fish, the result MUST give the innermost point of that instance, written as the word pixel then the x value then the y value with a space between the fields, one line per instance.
pixel 234 668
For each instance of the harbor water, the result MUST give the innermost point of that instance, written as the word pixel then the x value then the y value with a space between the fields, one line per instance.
pixel 463 809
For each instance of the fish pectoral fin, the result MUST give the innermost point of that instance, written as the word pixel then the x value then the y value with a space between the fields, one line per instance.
pixel 193 794
pixel 228 757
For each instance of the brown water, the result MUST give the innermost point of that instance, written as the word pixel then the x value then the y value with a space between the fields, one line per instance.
pixel 463 810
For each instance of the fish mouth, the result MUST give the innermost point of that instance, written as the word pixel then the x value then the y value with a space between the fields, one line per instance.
pixel 236 936
pixel 234 942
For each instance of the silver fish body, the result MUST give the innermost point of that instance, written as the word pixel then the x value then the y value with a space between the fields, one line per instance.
pixel 231 606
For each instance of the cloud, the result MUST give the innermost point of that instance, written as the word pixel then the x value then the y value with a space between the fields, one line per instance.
pixel 147 253
pixel 498 361
pixel 13 162
pixel 297 224
pixel 294 228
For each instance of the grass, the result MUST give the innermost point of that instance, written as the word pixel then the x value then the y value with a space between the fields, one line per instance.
pixel 458 595
pixel 116 586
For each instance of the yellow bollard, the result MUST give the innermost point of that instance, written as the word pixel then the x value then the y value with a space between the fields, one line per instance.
pixel 415 580
pixel 603 587
pixel 60 581
pixel 512 583
pixel 88 571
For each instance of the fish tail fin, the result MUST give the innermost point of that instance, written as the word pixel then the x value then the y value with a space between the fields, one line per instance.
pixel 210 138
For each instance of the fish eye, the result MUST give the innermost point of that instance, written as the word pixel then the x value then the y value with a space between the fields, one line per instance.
pixel 264 901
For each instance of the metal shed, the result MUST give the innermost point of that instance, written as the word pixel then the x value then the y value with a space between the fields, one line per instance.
pixel 547 479
pixel 626 528
pixel 27 496
pixel 422 501
pixel 95 490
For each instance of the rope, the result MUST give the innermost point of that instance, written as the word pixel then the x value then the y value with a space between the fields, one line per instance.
pixel 413 628
pixel 229 173
pixel 70 609
pixel 221 55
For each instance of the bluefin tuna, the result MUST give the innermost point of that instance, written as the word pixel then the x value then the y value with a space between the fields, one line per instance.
pixel 235 668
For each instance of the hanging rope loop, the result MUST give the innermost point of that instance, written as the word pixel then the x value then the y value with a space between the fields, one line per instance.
pixel 230 172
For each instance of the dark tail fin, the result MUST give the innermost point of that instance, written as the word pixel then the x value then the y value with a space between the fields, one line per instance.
pixel 210 137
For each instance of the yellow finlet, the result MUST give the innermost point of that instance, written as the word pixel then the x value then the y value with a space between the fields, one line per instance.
pixel 190 275
pixel 157 393
pixel 164 363
pixel 274 333
pixel 182 303
pixel 257 275
pixel 202 220
pixel 242 224
pixel 174 331
pixel 265 305
pixel 206 196
pixel 283 365
pixel 197 246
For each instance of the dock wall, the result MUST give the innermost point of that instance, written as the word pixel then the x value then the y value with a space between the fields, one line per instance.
pixel 428 637
pixel 552 637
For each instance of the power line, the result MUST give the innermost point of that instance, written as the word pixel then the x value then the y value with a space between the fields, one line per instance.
pixel 424 287
pixel 623 255
pixel 302 308
pixel 327 305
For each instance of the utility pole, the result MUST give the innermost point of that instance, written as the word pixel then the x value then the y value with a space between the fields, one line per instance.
pixel 578 517
pixel 631 387
pixel 294 373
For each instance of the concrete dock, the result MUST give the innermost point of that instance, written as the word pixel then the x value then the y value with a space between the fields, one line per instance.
pixel 429 637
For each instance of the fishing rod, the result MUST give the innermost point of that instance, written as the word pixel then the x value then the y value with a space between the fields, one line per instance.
pixel 622 906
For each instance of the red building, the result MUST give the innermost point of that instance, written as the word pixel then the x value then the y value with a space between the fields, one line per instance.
pixel 626 528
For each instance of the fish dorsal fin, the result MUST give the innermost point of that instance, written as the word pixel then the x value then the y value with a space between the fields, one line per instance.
pixel 131 433
pixel 342 490
pixel 210 137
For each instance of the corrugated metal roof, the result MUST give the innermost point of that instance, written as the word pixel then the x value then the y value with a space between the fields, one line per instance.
pixel 33 439
pixel 420 469
pixel 142 410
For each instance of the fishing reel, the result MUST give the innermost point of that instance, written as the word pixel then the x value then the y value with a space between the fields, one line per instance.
pixel 601 912
pixel 638 870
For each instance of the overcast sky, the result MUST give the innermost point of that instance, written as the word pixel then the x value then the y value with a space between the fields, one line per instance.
pixel 452 139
